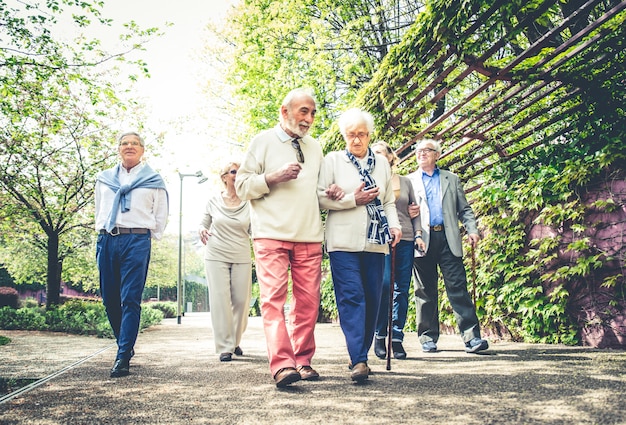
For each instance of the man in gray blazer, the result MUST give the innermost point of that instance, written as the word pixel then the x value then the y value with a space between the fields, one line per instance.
pixel 442 206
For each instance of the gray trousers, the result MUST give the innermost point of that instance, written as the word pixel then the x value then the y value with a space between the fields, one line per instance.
pixel 426 294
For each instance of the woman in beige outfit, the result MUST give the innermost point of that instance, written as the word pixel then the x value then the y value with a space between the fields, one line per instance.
pixel 225 230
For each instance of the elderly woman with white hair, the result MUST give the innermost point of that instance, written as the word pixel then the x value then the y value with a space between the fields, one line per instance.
pixel 359 228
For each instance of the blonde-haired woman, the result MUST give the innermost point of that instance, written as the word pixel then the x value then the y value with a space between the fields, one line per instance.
pixel 225 230
pixel 411 238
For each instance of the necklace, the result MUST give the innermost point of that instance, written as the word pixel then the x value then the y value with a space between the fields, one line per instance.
pixel 230 200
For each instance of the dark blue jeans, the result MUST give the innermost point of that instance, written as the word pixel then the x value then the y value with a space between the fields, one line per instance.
pixel 357 278
pixel 404 265
pixel 123 264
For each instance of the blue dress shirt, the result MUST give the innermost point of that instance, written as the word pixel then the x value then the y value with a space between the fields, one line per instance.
pixel 432 185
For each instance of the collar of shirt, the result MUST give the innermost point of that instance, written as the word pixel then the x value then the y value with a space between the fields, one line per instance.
pixel 126 176
pixel 435 172
pixel 283 136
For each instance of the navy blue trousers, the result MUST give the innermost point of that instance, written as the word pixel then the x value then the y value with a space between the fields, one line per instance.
pixel 358 279
pixel 404 266
pixel 123 264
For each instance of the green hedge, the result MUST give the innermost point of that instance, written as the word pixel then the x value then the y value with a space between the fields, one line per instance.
pixel 75 317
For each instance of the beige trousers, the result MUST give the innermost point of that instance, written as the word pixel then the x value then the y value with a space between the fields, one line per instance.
pixel 229 300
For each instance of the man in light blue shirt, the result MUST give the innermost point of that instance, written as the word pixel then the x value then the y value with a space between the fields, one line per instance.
pixel 433 196
pixel 442 206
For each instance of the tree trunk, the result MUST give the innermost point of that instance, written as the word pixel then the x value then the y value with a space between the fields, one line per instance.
pixel 54 271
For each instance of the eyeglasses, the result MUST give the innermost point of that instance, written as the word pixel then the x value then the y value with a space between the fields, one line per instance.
pixel 233 171
pixel 352 136
pixel 132 143
pixel 424 151
pixel 299 155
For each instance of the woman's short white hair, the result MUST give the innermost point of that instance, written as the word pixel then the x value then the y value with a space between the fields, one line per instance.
pixel 355 116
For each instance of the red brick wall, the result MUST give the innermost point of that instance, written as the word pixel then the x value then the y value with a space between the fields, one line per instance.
pixel 599 310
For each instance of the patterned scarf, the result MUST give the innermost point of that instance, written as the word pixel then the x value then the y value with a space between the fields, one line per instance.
pixel 378 231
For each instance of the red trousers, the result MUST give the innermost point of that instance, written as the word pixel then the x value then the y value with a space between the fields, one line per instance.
pixel 289 344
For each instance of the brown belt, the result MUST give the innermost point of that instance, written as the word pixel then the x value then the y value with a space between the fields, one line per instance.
pixel 437 228
pixel 125 231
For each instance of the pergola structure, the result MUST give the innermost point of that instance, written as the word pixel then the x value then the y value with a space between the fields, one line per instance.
pixel 511 87
pixel 494 80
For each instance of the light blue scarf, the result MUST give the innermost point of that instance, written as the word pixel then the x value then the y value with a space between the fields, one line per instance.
pixel 146 178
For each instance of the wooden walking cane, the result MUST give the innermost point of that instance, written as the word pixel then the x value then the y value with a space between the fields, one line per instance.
pixel 473 253
pixel 392 281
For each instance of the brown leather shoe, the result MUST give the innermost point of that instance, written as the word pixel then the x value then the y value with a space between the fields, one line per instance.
pixel 286 376
pixel 360 372
pixel 308 373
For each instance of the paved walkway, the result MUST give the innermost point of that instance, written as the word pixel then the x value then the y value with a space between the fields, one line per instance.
pixel 176 378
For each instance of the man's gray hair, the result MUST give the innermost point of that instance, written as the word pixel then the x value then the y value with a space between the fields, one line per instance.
pixel 294 94
pixel 436 144
pixel 131 133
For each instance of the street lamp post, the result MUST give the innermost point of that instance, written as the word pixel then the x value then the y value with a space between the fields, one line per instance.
pixel 202 179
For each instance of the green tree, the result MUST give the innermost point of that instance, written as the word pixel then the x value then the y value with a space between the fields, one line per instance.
pixel 58 103
pixel 331 46
pixel 163 271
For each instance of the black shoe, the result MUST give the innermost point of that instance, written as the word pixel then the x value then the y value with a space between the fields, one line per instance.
pixel 226 357
pixel 379 348
pixel 238 351
pixel 121 367
pixel 398 350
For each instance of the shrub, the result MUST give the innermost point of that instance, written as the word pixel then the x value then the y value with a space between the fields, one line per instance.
pixel 168 308
pixel 149 317
pixel 9 297
pixel 22 319
pixel 76 317
pixel 328 305
pixel 30 303
pixel 255 301
pixel 7 317
pixel 4 340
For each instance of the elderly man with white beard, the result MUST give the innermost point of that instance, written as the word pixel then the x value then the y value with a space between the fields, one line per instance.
pixel 279 177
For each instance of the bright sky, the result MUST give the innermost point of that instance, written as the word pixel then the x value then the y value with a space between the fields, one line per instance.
pixel 196 135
